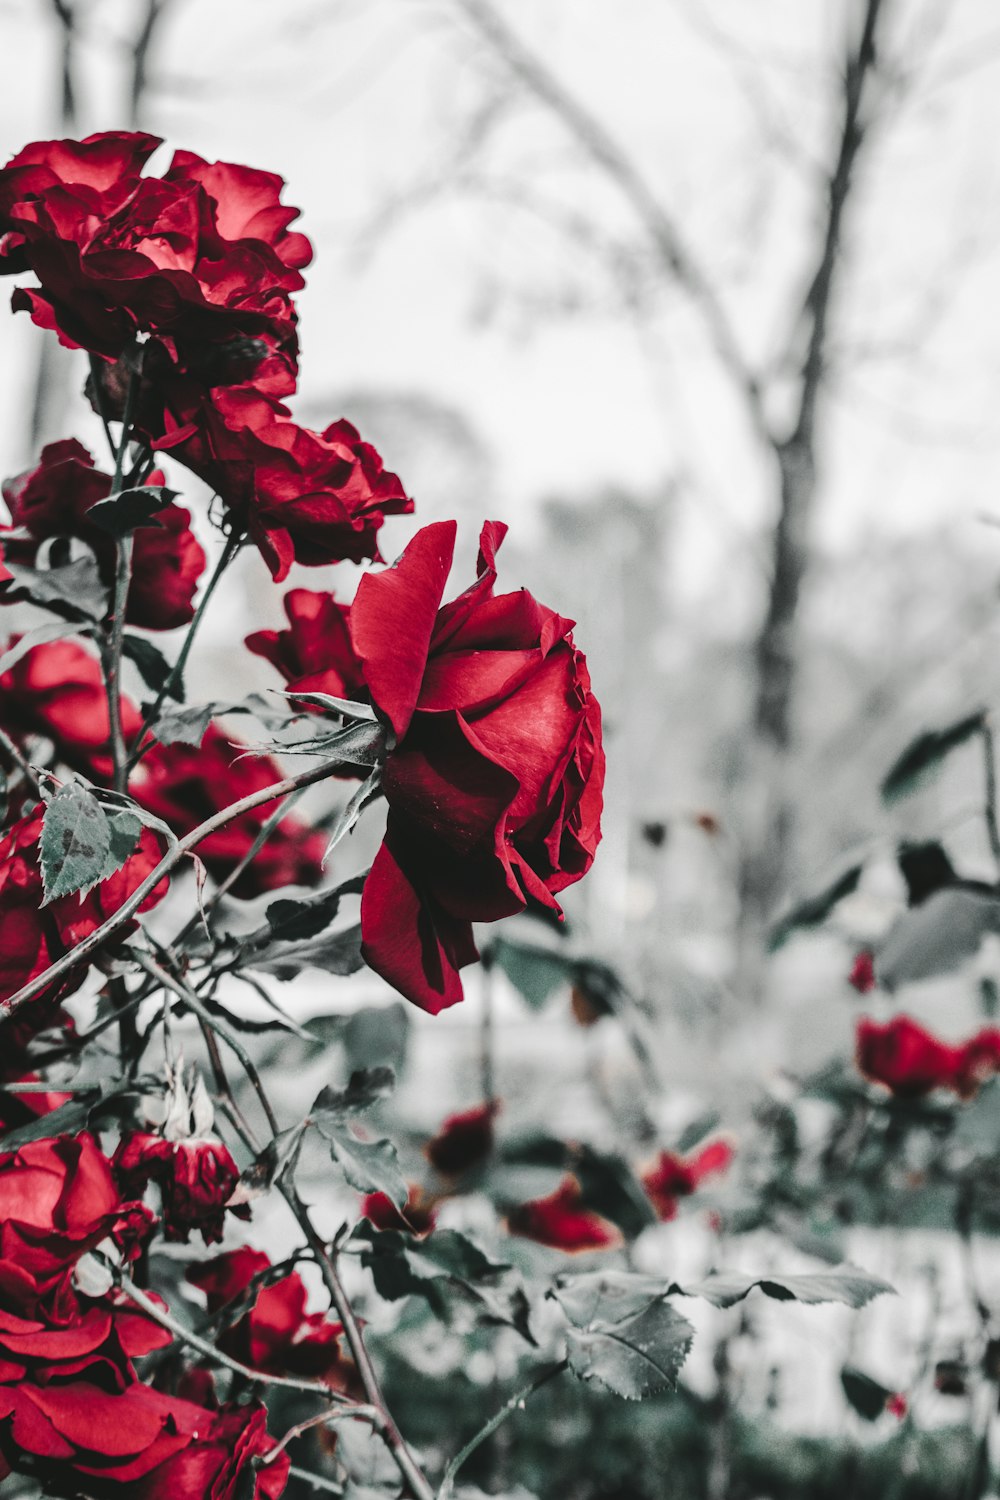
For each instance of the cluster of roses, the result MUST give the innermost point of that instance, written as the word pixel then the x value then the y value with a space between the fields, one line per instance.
pixel 72 1410
pixel 494 769
pixel 911 1061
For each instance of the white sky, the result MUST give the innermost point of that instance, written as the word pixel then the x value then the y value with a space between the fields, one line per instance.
pixel 351 102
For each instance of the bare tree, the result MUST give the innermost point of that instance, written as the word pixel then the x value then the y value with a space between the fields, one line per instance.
pixel 790 443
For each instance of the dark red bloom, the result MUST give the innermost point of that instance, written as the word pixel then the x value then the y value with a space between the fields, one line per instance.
pixel 494 783
pixel 57 690
pixel 911 1061
pixel 184 785
pixel 196 1178
pixel 464 1141
pixel 418 1215
pixel 862 975
pixel 275 1333
pixel 304 496
pixel 563 1221
pixel 53 499
pixel 33 936
pixel 315 653
pixel 215 1467
pixel 672 1176
pixel 200 256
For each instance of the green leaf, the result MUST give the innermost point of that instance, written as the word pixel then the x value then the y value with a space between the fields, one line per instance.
pixel 534 972
pixel 184 726
pixel 867 1397
pixel 634 1357
pixel 152 665
pixel 32 638
pixel 126 830
pixel 74 591
pixel 369 1166
pixel 845 1284
pixel 937 937
pixel 125 512
pixel 366 1088
pixel 66 1119
pixel 340 953
pixel 293 920
pixel 346 707
pixel 814 909
pixel 444 1264
pixel 76 842
pixel 591 1297
pixel 924 754
pixel 355 806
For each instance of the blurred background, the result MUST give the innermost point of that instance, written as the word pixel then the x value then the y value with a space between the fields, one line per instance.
pixel 700 297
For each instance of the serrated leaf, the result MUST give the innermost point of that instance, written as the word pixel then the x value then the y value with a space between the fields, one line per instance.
pixel 591 1297
pixel 125 512
pixel 814 910
pixel 864 1394
pixel 185 726
pixel 293 920
pixel 152 665
pixel 366 1088
pixel 635 1357
pixel 75 843
pixel 340 953
pixel 845 1284
pixel 74 591
pixel 445 1263
pixel 924 754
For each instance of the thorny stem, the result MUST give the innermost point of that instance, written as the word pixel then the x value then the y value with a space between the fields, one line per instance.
pixel 515 1403
pixel 233 543
pixel 111 650
pixel 9 749
pixel 210 1351
pixel 173 857
pixel 990 768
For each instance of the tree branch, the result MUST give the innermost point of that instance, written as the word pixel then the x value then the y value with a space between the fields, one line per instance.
pixel 605 151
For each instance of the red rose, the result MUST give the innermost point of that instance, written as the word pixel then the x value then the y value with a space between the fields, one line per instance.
pixel 911 1061
pixel 53 499
pixel 464 1140
pixel 672 1177
pixel 215 1467
pixel 184 785
pixel 57 690
pixel 201 255
pixel 418 1216
pixel 494 783
pixel 563 1221
pixel 304 496
pixel 32 936
pixel 315 653
pixel 275 1334
pixel 862 975
pixel 196 1178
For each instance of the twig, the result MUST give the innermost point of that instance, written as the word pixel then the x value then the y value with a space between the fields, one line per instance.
pixel 172 858
pixel 515 1403
pixel 990 769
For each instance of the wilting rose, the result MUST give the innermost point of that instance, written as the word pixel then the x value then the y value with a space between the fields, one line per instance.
pixel 196 1178
pixel 33 936
pixel 304 496
pixel 464 1141
pixel 672 1176
pixel 494 781
pixel 184 785
pixel 275 1333
pixel 911 1061
pixel 563 1221
pixel 57 690
pixel 199 256
pixel 53 499
pixel 315 653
